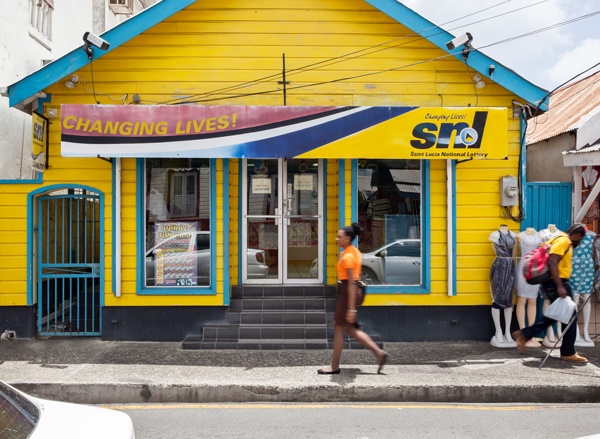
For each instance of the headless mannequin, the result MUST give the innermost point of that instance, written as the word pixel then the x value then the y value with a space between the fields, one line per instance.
pixel 584 263
pixel 502 281
pixel 528 294
pixel 550 339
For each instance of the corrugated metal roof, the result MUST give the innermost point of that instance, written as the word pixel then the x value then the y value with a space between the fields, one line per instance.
pixel 570 106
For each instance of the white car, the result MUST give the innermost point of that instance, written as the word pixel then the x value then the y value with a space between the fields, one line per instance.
pixel 23 416
pixel 397 263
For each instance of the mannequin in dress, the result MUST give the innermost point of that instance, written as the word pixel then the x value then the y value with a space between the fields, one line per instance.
pixel 502 284
pixel 528 294
pixel 582 281
pixel 550 339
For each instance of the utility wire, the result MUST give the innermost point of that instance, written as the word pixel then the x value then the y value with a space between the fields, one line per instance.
pixel 355 54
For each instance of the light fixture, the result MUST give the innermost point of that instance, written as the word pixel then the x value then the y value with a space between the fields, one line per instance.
pixel 480 84
pixel 73 82
pixel 52 113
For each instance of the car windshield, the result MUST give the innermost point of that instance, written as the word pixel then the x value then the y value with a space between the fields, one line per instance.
pixel 18 415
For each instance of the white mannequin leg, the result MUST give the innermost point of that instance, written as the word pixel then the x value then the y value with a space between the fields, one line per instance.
pixel 576 300
pixel 585 340
pixel 507 321
pixel 499 340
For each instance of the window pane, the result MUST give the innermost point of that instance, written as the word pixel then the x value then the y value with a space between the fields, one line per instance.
pixel 177 223
pixel 389 208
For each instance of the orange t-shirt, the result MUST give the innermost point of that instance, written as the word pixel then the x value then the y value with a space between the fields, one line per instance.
pixel 350 258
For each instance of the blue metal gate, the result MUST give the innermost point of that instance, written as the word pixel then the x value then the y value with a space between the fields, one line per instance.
pixel 69 263
pixel 548 203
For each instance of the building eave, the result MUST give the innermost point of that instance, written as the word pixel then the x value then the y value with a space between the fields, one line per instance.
pixel 501 75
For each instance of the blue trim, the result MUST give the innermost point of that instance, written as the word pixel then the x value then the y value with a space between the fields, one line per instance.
pixel 425 287
pixel 354 183
pixel 76 59
pixel 342 187
pixel 240 216
pixel 37 180
pixel 142 290
pixel 114 226
pixel 213 222
pixel 31 198
pixel 454 258
pixel 226 243
pixel 502 75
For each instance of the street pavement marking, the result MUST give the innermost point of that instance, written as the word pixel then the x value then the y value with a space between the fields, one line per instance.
pixel 245 406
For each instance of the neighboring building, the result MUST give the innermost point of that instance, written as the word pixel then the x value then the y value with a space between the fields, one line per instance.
pixel 38 32
pixel 566 139
pixel 196 183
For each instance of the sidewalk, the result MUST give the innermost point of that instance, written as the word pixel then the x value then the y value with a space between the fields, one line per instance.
pixel 88 370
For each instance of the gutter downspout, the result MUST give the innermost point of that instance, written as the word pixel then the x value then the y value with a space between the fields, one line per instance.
pixel 118 232
pixel 450 224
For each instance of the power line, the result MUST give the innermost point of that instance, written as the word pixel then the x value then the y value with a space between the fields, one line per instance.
pixel 349 56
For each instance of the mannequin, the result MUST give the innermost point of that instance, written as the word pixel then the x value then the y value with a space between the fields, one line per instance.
pixel 528 294
pixel 582 281
pixel 502 283
pixel 550 339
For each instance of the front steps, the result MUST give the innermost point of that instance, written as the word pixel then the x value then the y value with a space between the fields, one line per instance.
pixel 275 318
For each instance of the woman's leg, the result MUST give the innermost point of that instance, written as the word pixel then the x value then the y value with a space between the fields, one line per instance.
pixel 365 340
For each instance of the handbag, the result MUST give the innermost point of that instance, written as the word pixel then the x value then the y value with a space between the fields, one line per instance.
pixel 361 292
pixel 561 310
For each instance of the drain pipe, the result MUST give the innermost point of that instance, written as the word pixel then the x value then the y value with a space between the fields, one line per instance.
pixel 450 224
pixel 118 238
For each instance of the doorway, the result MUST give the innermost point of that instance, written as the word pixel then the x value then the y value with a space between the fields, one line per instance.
pixel 282 227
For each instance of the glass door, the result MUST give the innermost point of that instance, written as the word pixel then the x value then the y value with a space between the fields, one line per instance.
pixel 282 221
pixel 302 221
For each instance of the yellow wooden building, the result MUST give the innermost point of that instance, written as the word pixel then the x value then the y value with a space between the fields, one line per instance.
pixel 197 166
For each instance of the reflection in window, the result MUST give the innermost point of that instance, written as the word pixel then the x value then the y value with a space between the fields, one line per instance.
pixel 389 208
pixel 177 223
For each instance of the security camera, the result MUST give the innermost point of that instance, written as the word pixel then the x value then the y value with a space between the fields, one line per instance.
pixel 95 40
pixel 459 41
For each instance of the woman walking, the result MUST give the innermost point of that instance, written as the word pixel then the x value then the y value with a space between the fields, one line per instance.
pixel 348 270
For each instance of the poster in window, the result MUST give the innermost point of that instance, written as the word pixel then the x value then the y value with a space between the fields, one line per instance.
pixel 175 253
pixel 261 185
pixel 303 182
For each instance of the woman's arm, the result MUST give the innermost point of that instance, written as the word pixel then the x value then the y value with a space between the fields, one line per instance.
pixel 351 311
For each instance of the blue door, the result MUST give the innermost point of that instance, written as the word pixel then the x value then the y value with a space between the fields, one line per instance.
pixel 547 203
pixel 69 263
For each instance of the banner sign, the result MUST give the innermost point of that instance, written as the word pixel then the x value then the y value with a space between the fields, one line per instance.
pixel 39 141
pixel 283 132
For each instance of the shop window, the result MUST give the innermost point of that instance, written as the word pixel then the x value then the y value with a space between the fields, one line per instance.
pixel 40 19
pixel 177 252
pixel 389 208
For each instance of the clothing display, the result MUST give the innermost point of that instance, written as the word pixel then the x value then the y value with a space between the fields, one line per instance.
pixel 582 276
pixel 503 271
pixel 549 233
pixel 527 242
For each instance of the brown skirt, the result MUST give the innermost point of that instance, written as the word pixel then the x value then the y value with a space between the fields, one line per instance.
pixel 341 305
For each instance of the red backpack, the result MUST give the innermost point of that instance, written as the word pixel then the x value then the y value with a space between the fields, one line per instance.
pixel 534 264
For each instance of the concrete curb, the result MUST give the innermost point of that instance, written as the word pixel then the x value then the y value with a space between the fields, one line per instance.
pixel 143 393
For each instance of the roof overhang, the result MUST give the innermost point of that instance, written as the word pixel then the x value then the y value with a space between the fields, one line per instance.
pixel 587 156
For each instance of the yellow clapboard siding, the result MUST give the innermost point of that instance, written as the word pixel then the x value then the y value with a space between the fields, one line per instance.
pixel 16 298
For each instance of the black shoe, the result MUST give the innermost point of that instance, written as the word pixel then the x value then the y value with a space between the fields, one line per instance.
pixel 382 361
pixel 328 372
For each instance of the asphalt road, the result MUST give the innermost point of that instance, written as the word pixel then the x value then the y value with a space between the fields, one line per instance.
pixel 362 421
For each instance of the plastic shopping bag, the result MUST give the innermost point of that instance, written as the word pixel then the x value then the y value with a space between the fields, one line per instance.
pixel 561 310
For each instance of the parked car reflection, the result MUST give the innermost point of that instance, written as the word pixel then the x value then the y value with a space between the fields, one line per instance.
pixel 23 416
pixel 184 260
pixel 397 263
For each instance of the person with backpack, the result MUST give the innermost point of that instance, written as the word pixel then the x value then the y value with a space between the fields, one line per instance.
pixel 560 267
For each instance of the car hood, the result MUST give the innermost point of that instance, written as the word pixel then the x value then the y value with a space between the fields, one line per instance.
pixel 75 421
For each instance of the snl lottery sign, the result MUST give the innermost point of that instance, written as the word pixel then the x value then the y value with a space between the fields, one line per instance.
pixel 283 132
